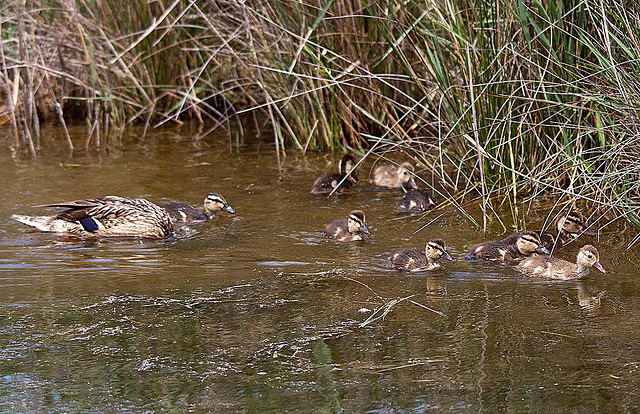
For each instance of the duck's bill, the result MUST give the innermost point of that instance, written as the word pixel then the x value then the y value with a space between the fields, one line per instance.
pixel 229 209
pixel 364 228
pixel 446 255
pixel 543 249
pixel 589 233
pixel 412 183
pixel 598 266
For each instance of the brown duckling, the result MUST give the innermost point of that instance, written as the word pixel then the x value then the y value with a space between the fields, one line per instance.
pixel 394 176
pixel 416 201
pixel 569 227
pixel 554 268
pixel 184 213
pixel 327 183
pixel 352 229
pixel 109 216
pixel 509 249
pixel 414 260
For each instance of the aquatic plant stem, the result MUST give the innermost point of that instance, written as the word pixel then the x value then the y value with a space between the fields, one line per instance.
pixel 479 150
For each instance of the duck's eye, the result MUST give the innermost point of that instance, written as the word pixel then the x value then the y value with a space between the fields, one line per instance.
pixel 589 256
pixel 405 173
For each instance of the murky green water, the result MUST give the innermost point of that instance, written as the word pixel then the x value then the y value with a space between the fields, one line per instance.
pixel 258 313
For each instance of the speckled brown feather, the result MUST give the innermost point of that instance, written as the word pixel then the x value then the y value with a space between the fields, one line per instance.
pixel 339 230
pixel 112 216
pixel 502 250
pixel 414 260
pixel 327 183
pixel 394 176
pixel 416 201
pixel 183 213
pixel 554 268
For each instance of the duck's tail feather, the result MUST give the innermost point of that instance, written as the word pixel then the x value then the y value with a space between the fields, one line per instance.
pixel 42 223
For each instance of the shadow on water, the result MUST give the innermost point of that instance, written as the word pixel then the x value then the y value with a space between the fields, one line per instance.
pixel 258 312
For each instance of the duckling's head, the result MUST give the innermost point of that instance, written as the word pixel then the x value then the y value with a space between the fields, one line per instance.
pixel 347 164
pixel 571 225
pixel 357 223
pixel 405 175
pixel 215 202
pixel 588 257
pixel 437 249
pixel 529 242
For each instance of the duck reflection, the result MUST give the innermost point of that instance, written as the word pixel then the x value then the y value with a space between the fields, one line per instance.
pixel 589 299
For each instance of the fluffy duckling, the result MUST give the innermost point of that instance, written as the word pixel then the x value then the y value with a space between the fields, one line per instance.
pixel 327 183
pixel 554 268
pixel 352 229
pixel 184 213
pixel 509 249
pixel 416 201
pixel 414 260
pixel 569 226
pixel 394 176
pixel 108 216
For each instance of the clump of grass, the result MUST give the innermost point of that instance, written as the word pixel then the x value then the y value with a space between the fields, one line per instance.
pixel 501 102
pixel 114 63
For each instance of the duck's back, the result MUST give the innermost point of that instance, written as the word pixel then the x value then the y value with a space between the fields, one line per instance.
pixel 549 268
pixel 385 176
pixel 416 201
pixel 490 250
pixel 183 213
pixel 339 230
pixel 326 184
pixel 113 216
pixel 410 259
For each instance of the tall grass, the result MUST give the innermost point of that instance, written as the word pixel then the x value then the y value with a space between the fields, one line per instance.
pixel 500 101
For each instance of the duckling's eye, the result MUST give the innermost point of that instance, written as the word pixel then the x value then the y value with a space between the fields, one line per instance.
pixel 589 256
pixel 405 173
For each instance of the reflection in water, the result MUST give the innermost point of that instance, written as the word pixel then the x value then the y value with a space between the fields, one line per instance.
pixel 257 312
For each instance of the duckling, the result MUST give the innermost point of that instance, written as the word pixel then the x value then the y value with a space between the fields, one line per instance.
pixel 109 216
pixel 554 268
pixel 184 213
pixel 352 229
pixel 394 176
pixel 414 260
pixel 508 250
pixel 416 201
pixel 327 183
pixel 569 226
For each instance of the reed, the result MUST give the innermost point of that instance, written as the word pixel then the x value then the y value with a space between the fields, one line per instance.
pixel 503 101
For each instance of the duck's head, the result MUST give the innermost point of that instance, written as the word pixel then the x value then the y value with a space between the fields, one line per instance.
pixel 529 242
pixel 357 223
pixel 588 257
pixel 437 249
pixel 571 225
pixel 347 165
pixel 215 202
pixel 405 175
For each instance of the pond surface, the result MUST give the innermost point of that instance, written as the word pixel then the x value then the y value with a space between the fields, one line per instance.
pixel 257 312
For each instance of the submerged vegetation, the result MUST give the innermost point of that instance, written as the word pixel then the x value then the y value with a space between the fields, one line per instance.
pixel 498 101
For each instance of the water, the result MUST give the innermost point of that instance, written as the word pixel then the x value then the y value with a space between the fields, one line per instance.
pixel 258 313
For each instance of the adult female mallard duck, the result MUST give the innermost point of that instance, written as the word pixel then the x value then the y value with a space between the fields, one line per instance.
pixel 569 226
pixel 414 260
pixel 352 229
pixel 509 249
pixel 108 216
pixel 416 201
pixel 394 176
pixel 327 183
pixel 554 268
pixel 184 213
